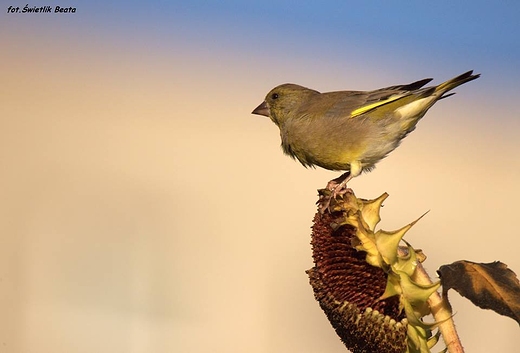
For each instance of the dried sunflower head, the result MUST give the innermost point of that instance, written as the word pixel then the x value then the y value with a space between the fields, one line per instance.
pixel 364 284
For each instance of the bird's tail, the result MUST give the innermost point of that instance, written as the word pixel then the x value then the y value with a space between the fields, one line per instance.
pixel 411 112
pixel 447 86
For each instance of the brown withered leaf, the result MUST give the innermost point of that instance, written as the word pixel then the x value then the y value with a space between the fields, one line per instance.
pixel 488 285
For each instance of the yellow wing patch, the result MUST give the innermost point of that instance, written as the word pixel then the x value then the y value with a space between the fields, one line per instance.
pixel 368 107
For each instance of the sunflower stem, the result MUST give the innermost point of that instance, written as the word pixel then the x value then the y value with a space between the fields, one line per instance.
pixel 442 312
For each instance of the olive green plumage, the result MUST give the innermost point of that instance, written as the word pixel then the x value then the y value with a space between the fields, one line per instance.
pixel 350 130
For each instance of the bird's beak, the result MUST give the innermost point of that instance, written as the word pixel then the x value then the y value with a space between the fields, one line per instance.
pixel 262 109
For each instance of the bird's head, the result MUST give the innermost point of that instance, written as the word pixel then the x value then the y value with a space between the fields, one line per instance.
pixel 282 100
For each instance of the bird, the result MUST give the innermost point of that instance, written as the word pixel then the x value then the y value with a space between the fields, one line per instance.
pixel 350 131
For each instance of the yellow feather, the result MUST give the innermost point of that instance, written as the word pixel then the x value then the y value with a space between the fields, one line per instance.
pixel 368 107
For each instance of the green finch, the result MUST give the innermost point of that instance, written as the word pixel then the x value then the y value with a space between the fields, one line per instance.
pixel 350 130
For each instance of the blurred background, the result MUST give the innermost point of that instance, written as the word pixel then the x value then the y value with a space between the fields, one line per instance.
pixel 144 209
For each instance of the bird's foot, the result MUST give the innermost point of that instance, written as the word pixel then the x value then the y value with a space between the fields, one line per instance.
pixel 324 201
pixel 340 181
pixel 331 192
pixel 336 187
pixel 341 190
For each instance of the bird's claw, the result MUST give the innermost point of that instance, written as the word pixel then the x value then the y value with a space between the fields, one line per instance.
pixel 331 192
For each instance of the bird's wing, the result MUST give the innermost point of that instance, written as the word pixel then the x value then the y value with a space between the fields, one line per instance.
pixel 402 93
pixel 350 104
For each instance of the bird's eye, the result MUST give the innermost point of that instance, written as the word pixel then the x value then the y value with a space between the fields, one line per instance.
pixel 274 96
